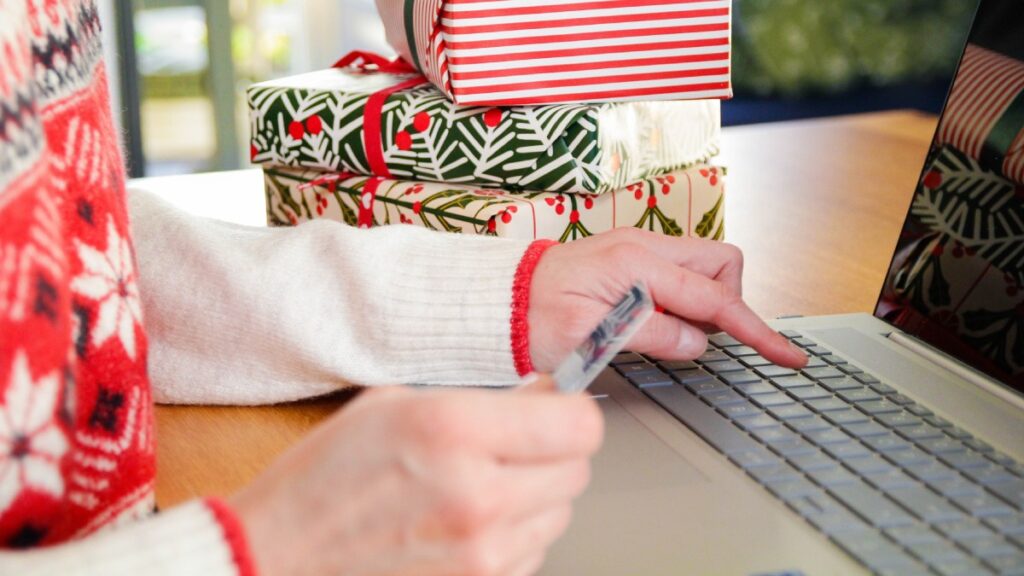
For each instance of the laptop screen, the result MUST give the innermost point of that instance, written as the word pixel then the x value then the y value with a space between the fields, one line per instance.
pixel 957 277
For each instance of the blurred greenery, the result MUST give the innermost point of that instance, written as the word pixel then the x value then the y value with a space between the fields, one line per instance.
pixel 800 47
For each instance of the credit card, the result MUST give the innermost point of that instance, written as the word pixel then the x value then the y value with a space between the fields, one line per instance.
pixel 577 371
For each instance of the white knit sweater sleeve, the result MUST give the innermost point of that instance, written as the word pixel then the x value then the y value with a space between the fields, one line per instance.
pixel 183 541
pixel 246 315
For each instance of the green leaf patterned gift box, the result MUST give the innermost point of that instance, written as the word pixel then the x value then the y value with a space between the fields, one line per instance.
pixel 682 203
pixel 398 126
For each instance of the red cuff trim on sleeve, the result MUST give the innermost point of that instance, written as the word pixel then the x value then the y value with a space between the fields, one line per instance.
pixel 234 535
pixel 521 305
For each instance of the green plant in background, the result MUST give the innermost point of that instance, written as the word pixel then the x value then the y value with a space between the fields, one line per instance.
pixel 795 47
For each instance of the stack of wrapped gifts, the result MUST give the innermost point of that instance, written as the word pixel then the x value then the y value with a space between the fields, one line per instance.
pixel 511 118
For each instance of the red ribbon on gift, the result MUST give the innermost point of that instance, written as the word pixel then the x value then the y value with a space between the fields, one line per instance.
pixel 369 62
pixel 364 218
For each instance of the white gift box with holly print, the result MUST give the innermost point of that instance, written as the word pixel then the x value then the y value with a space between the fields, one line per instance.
pixel 683 203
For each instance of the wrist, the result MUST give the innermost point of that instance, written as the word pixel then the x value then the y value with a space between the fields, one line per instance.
pixel 522 289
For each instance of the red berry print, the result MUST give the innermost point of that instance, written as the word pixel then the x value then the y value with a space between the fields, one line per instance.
pixel 252 153
pixel 417 207
pixel 561 198
pixel 560 209
pixel 652 201
pixel 958 251
pixel 671 179
pixel 713 180
pixel 665 188
pixel 295 130
pixel 638 194
pixel 492 117
pixel 937 250
pixel 932 180
pixel 421 121
pixel 506 217
pixel 492 225
pixel 550 201
pixel 588 203
pixel 314 125
pixel 403 140
pixel 574 216
pixel 513 209
pixel 319 210
pixel 705 172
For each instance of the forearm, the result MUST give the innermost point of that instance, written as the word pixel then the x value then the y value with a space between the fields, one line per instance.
pixel 195 538
pixel 248 315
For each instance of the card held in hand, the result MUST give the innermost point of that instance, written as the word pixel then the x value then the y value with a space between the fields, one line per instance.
pixel 609 337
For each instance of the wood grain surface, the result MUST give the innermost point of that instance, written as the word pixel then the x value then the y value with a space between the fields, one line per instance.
pixel 816 207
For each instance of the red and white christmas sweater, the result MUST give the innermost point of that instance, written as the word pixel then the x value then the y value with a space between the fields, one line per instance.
pixel 233 315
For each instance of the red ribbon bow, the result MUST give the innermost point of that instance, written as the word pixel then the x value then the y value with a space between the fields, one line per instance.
pixel 370 62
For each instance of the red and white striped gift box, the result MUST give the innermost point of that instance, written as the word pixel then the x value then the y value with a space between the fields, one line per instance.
pixel 984 116
pixel 525 52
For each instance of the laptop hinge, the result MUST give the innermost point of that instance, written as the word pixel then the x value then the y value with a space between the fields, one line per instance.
pixel 946 363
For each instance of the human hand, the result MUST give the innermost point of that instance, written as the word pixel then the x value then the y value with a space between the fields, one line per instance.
pixel 425 482
pixel 697 282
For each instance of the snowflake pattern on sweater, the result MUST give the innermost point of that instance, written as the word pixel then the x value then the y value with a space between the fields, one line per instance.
pixel 76 444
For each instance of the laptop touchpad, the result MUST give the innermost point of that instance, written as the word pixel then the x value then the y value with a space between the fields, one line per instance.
pixel 634 458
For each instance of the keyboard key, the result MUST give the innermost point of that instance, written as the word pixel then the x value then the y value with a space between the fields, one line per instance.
pixel 850 369
pixel 753 388
pixel 877 552
pixel 862 394
pixel 990 474
pixel 868 464
pixel 965 460
pixel 889 479
pixel 769 400
pixel 844 450
pixel 966 567
pixel 722 339
pixel 722 398
pixel 792 489
pixel 879 407
pixel 816 460
pixel 989 547
pixel 755 457
pixel 954 485
pixel 722 366
pixel 789 411
pixel 964 529
pixel 791 334
pixel 823 372
pixel 871 505
pixel 744 377
pixel 806 425
pixel 866 378
pixel 840 384
pixel 773 474
pixel 826 404
pixel 883 389
pixel 795 381
pixel 864 430
pixel 626 358
pixel 932 470
pixel 834 360
pixel 689 376
pixel 898 419
pixel 916 433
pixel 918 410
pixel 829 477
pixel 740 410
pixel 706 387
pixel 901 400
pixel 939 446
pixel 815 362
pixel 978 445
pixel 915 534
pixel 754 361
pixel 983 505
pixel 1009 525
pixel 758 422
pixel 908 458
pixel 673 365
pixel 958 433
pixel 1012 492
pixel 650 379
pixel 818 350
pixel 773 371
pixel 808 392
pixel 804 342
pixel 702 419
pixel 925 504
pixel 773 435
pixel 713 356
pixel 848 416
pixel 637 368
pixel 792 448
pixel 740 351
pixel 937 553
pixel 938 421
pixel 827 436
pixel 888 442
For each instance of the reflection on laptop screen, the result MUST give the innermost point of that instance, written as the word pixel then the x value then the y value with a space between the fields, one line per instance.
pixel 957 278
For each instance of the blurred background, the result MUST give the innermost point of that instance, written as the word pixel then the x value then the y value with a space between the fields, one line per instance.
pixel 178 68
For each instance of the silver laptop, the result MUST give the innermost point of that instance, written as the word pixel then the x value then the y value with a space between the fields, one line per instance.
pixel 898 450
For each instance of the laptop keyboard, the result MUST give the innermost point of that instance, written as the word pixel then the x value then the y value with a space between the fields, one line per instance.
pixel 900 489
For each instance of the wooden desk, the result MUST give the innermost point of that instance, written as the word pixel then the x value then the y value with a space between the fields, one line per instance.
pixel 815 205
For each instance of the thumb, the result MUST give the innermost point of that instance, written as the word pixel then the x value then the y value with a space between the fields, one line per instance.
pixel 535 382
